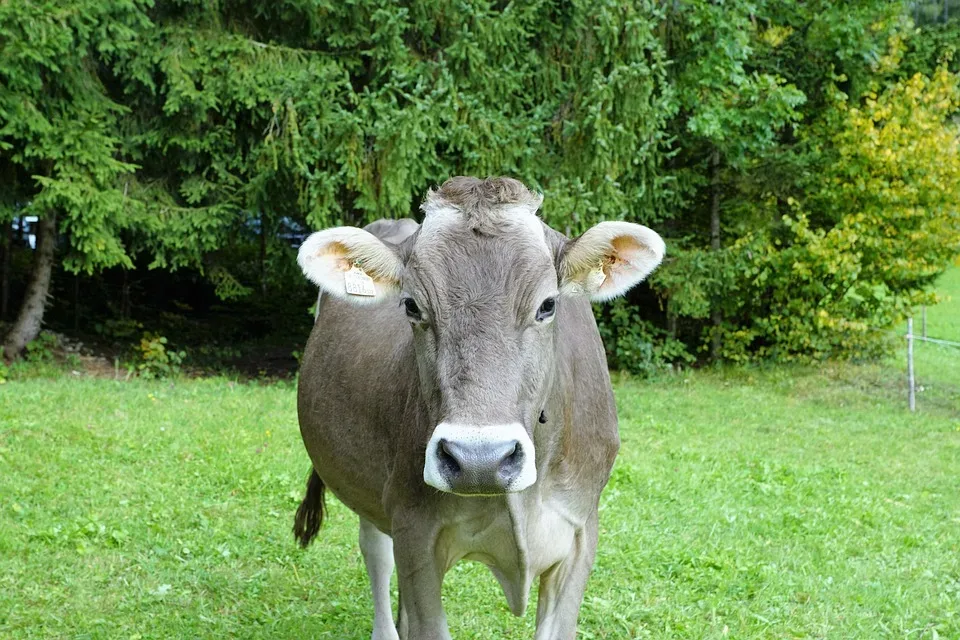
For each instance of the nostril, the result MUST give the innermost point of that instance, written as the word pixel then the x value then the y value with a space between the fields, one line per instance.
pixel 448 462
pixel 511 464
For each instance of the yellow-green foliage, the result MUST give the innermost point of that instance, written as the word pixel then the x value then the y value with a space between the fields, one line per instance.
pixel 156 359
pixel 881 221
pixel 897 181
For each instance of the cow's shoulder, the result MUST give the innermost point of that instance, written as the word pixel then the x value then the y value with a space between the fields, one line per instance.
pixel 583 402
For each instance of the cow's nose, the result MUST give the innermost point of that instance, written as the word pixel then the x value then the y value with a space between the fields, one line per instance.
pixel 472 468
pixel 470 460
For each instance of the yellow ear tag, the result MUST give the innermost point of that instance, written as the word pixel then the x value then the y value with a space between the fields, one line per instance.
pixel 358 283
pixel 595 279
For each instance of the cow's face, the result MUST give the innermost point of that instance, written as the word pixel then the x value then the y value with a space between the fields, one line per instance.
pixel 482 287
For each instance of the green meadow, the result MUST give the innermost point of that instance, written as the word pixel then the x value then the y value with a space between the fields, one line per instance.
pixel 767 502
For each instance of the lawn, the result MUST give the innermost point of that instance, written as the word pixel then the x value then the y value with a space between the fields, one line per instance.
pixel 938 366
pixel 746 503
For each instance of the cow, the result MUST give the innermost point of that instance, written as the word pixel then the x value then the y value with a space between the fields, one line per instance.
pixel 454 393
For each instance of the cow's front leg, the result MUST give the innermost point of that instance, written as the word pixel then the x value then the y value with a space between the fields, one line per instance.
pixel 562 587
pixel 420 577
pixel 377 549
pixel 403 622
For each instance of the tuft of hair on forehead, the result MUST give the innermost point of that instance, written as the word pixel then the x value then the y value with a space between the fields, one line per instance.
pixel 485 204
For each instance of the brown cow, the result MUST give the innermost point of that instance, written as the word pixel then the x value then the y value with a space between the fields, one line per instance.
pixel 454 394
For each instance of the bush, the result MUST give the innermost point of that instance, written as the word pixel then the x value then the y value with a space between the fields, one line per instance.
pixel 874 221
pixel 40 351
pixel 156 360
pixel 118 329
pixel 636 345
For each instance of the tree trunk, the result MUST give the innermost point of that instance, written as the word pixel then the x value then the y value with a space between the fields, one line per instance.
pixel 716 318
pixel 5 277
pixel 125 295
pixel 27 326
pixel 76 302
pixel 263 255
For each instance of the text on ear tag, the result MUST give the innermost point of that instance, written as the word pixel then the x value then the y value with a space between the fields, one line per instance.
pixel 595 279
pixel 358 283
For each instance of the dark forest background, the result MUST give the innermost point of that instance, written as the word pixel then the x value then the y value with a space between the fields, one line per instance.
pixel 160 161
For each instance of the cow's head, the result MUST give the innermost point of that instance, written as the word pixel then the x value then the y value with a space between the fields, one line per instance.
pixel 482 284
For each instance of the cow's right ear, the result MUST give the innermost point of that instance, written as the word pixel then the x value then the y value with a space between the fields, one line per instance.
pixel 351 264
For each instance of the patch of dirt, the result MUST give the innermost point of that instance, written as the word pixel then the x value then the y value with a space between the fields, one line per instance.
pixel 266 361
pixel 80 359
pixel 101 359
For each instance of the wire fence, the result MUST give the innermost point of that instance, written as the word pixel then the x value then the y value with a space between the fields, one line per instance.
pixel 911 338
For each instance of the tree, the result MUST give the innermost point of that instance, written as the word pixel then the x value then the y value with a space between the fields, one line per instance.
pixel 731 112
pixel 195 135
pixel 173 128
pixel 58 131
pixel 811 53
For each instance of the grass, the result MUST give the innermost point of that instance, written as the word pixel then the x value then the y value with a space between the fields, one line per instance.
pixel 938 366
pixel 746 503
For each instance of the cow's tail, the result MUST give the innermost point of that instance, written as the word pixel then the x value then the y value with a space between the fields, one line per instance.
pixel 309 516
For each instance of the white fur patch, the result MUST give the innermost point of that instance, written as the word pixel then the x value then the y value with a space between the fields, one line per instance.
pixel 439 214
pixel 527 215
pixel 492 436
pixel 327 255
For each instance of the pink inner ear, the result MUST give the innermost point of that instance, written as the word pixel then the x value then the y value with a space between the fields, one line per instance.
pixel 620 262
pixel 622 265
pixel 338 252
pixel 339 256
pixel 628 249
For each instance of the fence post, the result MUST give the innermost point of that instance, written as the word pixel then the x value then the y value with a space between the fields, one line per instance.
pixel 910 381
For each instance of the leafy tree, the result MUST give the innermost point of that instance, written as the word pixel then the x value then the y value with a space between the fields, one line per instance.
pixel 59 136
pixel 878 224
pixel 730 114
pixel 180 134
pixel 823 50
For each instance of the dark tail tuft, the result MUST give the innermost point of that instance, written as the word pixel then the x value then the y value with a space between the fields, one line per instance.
pixel 309 516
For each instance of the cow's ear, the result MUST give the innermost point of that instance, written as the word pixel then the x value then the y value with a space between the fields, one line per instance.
pixel 351 264
pixel 609 259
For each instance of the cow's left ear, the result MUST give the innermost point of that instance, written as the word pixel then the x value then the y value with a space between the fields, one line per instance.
pixel 351 264
pixel 609 259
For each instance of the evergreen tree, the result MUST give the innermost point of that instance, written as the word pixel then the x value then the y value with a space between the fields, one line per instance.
pixel 183 134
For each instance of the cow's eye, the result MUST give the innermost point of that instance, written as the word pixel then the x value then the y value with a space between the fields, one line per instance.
pixel 547 309
pixel 413 311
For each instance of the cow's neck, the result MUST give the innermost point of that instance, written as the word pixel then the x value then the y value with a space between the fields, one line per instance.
pixel 518 535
